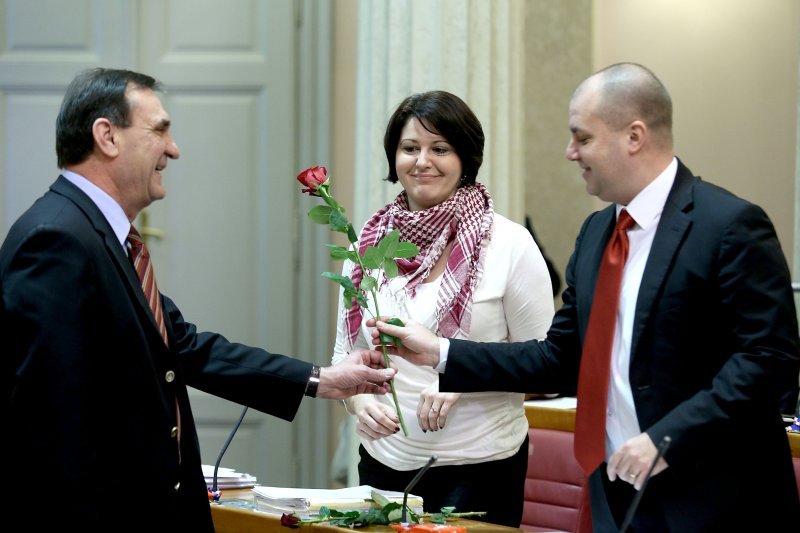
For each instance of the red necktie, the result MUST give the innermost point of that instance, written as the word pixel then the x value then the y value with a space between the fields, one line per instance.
pixel 595 372
pixel 144 269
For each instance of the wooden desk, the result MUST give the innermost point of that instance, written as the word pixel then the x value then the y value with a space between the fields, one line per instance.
pixel 237 519
pixel 541 416
pixel 544 417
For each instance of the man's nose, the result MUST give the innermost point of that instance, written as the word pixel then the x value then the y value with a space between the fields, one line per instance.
pixel 172 151
pixel 572 151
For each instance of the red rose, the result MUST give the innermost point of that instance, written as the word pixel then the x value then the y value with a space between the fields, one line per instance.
pixel 290 520
pixel 312 178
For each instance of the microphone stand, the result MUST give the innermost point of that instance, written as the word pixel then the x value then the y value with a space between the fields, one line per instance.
pixel 225 447
pixel 662 448
pixel 414 482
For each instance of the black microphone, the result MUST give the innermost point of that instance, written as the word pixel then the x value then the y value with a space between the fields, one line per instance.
pixel 224 448
pixel 414 482
pixel 662 448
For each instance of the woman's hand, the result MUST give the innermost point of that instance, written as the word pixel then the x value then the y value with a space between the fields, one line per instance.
pixel 376 420
pixel 434 406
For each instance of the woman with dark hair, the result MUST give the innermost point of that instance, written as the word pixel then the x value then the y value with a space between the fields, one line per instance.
pixel 478 276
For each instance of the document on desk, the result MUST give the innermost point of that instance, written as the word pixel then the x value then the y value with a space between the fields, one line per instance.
pixel 228 478
pixel 305 502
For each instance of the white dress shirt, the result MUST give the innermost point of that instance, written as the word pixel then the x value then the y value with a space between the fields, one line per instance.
pixel 645 209
pixel 108 206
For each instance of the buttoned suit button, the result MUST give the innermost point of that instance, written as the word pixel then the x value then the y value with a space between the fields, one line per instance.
pixel 174 432
pixel 170 376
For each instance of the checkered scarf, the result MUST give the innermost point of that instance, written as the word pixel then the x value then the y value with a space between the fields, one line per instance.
pixel 466 217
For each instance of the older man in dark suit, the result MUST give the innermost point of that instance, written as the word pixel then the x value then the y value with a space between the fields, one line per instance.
pixel 97 428
pixel 703 341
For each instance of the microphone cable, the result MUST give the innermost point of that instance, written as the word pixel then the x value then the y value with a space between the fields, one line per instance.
pixel 414 482
pixel 225 447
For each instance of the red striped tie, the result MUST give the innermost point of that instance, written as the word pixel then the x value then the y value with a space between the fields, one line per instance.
pixel 144 269
pixel 595 372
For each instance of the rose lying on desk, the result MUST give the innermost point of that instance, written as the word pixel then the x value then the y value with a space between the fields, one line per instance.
pixel 389 514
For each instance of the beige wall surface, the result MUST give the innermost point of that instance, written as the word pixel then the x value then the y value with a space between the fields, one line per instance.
pixel 557 57
pixel 731 67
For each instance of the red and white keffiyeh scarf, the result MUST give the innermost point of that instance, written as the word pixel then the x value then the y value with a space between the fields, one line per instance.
pixel 466 218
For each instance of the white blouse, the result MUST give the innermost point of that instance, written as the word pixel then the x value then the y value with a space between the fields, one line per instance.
pixel 513 301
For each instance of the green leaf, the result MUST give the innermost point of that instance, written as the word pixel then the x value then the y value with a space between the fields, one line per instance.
pixel 361 300
pixel 347 253
pixel 390 269
pixel 372 257
pixel 338 252
pixel 389 243
pixel 368 283
pixel 351 235
pixel 339 222
pixel 388 339
pixel 405 250
pixel 395 515
pixel 348 296
pixel 344 281
pixel 321 214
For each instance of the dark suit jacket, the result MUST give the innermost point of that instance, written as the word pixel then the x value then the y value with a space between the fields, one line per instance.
pixel 714 348
pixel 87 381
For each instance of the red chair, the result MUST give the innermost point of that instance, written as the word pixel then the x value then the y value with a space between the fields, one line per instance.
pixel 556 493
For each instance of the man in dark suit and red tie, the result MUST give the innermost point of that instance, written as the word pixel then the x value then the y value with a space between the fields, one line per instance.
pixel 699 348
pixel 98 432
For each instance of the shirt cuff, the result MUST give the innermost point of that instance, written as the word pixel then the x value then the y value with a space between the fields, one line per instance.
pixel 444 348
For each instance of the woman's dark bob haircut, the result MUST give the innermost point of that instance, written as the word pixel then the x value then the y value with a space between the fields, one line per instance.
pixel 444 114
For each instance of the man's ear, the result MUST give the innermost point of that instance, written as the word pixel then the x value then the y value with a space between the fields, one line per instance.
pixel 103 133
pixel 637 135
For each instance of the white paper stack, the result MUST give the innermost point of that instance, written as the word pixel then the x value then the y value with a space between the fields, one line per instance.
pixel 307 502
pixel 228 478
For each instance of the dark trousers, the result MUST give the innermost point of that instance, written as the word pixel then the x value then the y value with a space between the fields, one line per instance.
pixel 611 500
pixel 496 487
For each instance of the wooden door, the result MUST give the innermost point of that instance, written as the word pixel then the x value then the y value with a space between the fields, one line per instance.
pixel 227 251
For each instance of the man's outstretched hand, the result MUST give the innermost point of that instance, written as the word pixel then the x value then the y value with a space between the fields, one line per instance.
pixel 419 344
pixel 361 372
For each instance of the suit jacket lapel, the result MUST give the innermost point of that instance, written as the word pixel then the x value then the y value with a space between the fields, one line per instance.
pixel 121 260
pixel 675 222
